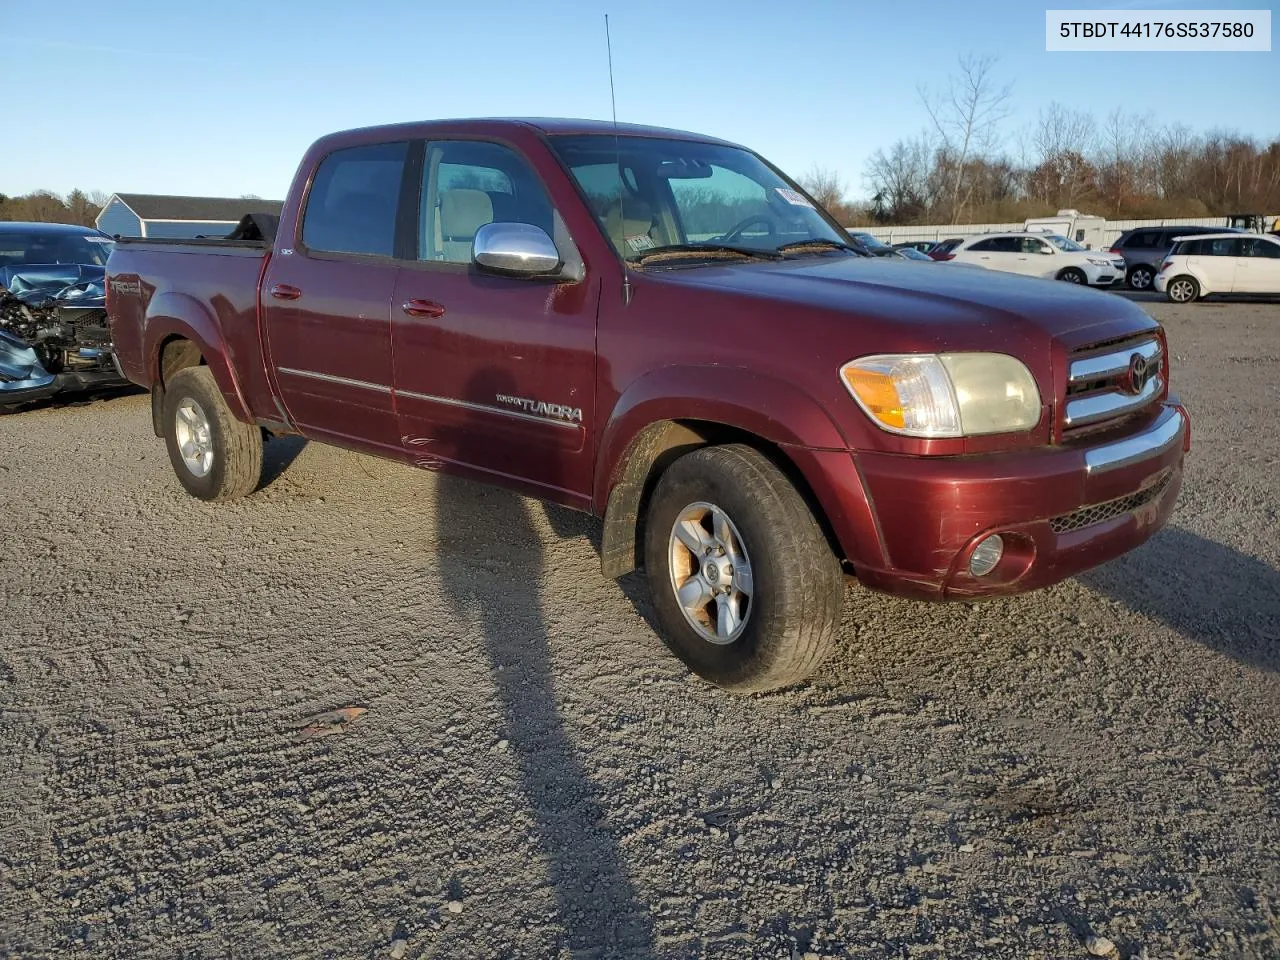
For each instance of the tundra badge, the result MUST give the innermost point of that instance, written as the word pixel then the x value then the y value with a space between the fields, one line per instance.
pixel 542 408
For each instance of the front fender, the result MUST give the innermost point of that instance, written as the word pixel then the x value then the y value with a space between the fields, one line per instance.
pixel 172 314
pixel 764 406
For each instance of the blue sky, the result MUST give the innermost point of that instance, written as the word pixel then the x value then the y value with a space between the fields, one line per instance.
pixel 222 98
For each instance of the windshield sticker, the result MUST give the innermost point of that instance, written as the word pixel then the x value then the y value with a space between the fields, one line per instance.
pixel 641 242
pixel 793 198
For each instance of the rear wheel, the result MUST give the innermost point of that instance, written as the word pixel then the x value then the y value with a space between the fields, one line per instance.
pixel 1073 275
pixel 1182 289
pixel 746 590
pixel 215 456
pixel 1141 277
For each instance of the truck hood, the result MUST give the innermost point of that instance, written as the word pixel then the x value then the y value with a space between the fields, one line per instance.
pixel 936 296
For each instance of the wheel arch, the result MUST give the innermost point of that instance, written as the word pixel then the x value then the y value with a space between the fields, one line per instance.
pixel 180 333
pixel 676 410
pixel 651 452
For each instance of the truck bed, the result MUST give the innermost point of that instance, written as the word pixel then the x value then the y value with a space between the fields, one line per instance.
pixel 150 281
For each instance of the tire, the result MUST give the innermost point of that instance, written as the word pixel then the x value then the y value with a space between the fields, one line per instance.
pixel 1182 289
pixel 224 456
pixel 1141 277
pixel 790 614
pixel 1073 275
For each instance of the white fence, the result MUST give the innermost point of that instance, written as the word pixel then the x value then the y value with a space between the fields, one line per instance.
pixel 1110 231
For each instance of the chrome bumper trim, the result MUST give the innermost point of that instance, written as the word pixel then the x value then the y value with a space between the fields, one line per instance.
pixel 1161 436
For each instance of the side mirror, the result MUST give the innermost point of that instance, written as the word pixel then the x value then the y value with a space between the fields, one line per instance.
pixel 515 250
pixel 1047 251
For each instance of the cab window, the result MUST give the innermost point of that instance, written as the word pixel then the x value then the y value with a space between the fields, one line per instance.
pixel 469 183
pixel 354 201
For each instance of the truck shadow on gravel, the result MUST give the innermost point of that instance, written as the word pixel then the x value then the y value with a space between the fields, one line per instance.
pixel 277 455
pixel 497 586
pixel 1208 592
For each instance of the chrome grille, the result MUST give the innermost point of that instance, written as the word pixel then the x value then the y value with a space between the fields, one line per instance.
pixel 1097 382
pixel 1102 512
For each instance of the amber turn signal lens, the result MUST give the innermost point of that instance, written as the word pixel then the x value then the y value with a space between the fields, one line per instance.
pixel 878 395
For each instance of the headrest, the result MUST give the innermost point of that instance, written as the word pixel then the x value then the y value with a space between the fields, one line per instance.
pixel 463 212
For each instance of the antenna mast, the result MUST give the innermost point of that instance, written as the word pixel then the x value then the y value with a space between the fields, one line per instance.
pixel 617 148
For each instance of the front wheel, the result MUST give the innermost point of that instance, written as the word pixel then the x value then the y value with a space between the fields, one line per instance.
pixel 1182 290
pixel 1141 277
pixel 215 456
pixel 746 590
pixel 1073 275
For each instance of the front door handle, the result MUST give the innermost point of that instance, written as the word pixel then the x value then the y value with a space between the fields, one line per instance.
pixel 423 308
pixel 285 291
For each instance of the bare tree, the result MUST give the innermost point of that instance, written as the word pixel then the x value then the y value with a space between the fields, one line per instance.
pixel 825 186
pixel 899 179
pixel 966 118
pixel 1062 139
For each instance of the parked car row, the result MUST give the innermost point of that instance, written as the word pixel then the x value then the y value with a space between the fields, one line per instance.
pixel 1185 263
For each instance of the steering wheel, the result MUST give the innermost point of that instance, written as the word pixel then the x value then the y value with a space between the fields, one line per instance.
pixel 740 227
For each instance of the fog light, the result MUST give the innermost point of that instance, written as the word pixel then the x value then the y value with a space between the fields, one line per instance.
pixel 986 555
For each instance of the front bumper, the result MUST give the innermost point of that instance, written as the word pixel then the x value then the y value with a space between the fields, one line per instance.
pixel 1059 510
pixel 23 379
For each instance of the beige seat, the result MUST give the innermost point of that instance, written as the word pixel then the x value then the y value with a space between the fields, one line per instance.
pixel 636 231
pixel 462 213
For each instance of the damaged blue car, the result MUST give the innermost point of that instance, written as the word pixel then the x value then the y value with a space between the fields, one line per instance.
pixel 54 335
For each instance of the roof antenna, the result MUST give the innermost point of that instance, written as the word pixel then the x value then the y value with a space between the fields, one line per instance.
pixel 617 148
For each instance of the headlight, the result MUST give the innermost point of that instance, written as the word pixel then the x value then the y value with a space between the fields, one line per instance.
pixel 1098 261
pixel 944 394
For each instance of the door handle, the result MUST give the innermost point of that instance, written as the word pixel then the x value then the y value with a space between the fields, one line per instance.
pixel 423 308
pixel 285 291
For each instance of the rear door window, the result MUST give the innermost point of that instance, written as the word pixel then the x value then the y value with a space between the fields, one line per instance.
pixel 1146 240
pixel 354 201
pixel 998 245
pixel 1223 247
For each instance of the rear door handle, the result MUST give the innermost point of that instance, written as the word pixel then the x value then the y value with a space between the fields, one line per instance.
pixel 285 291
pixel 423 308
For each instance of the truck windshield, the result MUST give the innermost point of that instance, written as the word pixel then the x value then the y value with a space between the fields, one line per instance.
pixel 652 194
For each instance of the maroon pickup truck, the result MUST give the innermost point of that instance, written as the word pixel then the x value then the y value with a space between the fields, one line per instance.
pixel 662 330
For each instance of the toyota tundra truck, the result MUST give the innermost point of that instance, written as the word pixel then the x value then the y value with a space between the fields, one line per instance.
pixel 663 330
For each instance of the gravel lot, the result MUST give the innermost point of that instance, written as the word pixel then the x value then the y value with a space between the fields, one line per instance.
pixel 536 777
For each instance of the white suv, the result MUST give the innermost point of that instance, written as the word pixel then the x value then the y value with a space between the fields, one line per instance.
pixel 1220 263
pixel 1040 255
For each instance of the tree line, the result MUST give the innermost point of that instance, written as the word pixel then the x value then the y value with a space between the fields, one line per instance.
pixel 44 206
pixel 966 166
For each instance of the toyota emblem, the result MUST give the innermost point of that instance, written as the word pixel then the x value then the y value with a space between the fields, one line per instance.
pixel 1141 370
